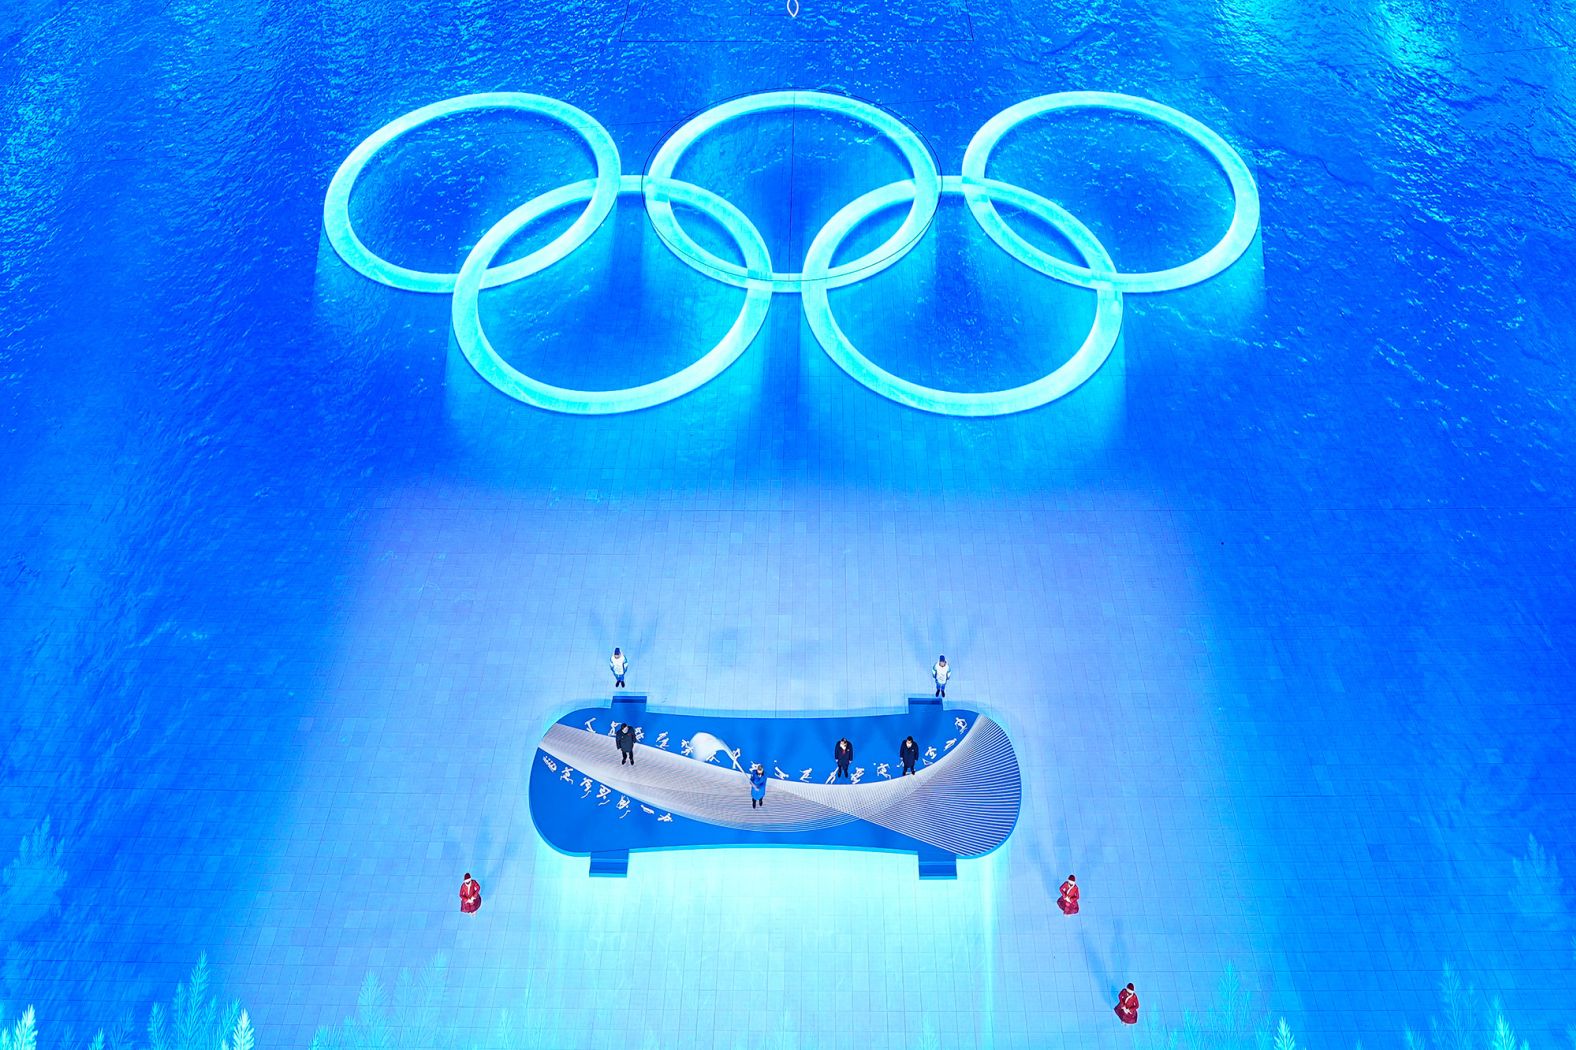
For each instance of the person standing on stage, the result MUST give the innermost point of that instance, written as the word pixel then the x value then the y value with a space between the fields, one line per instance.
pixel 757 786
pixel 844 754
pixel 470 895
pixel 1127 1005
pixel 908 751
pixel 625 739
pixel 620 665
pixel 1069 901
pixel 941 672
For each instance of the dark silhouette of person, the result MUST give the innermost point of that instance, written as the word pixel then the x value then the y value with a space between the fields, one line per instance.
pixel 1127 1005
pixel 1069 899
pixel 470 895
pixel 757 786
pixel 625 739
pixel 908 751
pixel 844 754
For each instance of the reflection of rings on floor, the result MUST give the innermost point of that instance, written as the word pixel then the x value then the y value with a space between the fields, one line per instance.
pixel 1245 195
pixel 336 205
pixel 479 350
pixel 1068 377
pixel 926 179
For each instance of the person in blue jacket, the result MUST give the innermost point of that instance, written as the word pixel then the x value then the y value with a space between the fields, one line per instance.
pixel 757 786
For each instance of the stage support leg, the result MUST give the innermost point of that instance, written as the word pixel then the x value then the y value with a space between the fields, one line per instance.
pixel 937 864
pixel 613 864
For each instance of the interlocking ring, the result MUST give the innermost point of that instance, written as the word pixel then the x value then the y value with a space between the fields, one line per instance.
pixel 336 205
pixel 927 186
pixel 1245 195
pixel 1065 379
pixel 660 190
pixel 493 368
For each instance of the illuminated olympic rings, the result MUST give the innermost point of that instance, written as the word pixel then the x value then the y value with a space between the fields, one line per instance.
pixel 660 190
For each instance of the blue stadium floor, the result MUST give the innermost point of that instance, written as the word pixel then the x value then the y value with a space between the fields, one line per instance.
pixel 1271 593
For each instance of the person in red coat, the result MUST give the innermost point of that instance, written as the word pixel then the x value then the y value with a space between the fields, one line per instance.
pixel 1127 1005
pixel 470 894
pixel 1069 901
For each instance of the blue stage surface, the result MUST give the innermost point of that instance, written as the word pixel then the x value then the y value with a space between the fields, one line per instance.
pixel 1196 377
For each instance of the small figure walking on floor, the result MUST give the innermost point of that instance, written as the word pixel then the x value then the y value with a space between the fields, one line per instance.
pixel 941 672
pixel 757 786
pixel 908 751
pixel 625 739
pixel 1069 901
pixel 620 665
pixel 844 754
pixel 470 895
pixel 1127 1005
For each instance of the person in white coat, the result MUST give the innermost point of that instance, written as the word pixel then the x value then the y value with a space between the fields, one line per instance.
pixel 620 665
pixel 941 672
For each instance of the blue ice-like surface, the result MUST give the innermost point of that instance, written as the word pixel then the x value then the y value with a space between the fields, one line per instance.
pixel 1276 606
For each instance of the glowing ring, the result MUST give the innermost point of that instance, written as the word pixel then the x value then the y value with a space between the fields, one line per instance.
pixel 493 368
pixel 336 205
pixel 1065 379
pixel 1245 195
pixel 927 183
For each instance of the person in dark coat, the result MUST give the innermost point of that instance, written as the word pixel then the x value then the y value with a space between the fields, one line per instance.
pixel 844 754
pixel 908 751
pixel 757 786
pixel 625 739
